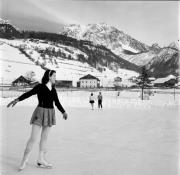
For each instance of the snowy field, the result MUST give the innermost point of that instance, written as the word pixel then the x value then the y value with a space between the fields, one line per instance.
pixel 14 64
pixel 127 137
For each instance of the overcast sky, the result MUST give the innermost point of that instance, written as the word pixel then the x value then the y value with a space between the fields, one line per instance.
pixel 149 22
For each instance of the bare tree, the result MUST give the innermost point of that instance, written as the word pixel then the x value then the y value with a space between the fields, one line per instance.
pixel 30 75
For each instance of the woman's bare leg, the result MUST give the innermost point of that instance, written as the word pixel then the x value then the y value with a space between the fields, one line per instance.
pixel 43 144
pixel 34 135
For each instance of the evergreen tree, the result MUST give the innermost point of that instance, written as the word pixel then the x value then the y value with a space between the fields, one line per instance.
pixel 143 81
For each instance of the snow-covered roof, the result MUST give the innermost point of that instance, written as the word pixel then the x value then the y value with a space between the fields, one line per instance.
pixel 21 79
pixel 151 78
pixel 163 80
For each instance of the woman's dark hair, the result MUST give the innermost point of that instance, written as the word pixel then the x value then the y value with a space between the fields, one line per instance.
pixel 46 76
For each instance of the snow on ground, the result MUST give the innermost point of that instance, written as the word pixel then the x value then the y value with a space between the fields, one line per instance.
pixel 140 59
pixel 128 136
pixel 127 47
pixel 41 44
pixel 14 64
pixel 11 58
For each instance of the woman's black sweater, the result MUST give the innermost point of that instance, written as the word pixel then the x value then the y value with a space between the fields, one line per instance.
pixel 45 96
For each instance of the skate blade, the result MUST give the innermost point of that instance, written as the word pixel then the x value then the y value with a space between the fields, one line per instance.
pixel 20 169
pixel 44 166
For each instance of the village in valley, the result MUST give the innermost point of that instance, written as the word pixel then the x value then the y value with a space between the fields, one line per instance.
pixel 91 83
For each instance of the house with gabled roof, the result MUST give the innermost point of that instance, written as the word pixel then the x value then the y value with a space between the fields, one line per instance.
pixel 21 81
pixel 89 81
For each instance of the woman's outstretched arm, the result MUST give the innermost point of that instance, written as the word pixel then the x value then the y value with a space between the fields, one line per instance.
pixel 29 93
pixel 25 95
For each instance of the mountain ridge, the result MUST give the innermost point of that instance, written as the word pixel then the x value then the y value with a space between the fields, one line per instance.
pixel 100 55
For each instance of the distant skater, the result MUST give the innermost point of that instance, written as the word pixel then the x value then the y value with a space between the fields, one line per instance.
pixel 118 93
pixel 42 118
pixel 100 98
pixel 92 100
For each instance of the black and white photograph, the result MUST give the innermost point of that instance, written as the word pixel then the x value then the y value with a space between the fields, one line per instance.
pixel 89 87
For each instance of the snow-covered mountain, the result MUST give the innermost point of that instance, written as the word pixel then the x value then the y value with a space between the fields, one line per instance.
pixel 174 45
pixel 112 38
pixel 142 58
pixel 2 21
pixel 100 46
pixel 98 55
pixel 155 47
pixel 165 63
pixel 7 30
pixel 127 47
pixel 118 42
pixel 160 62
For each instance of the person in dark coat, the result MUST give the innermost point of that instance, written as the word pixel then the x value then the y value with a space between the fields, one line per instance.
pixel 100 98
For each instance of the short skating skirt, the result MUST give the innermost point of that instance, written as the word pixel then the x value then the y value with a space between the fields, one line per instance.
pixel 91 101
pixel 43 116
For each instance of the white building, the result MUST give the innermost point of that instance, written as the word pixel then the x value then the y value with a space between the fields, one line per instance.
pixel 89 81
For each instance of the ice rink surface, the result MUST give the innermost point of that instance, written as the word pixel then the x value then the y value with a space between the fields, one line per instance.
pixel 127 137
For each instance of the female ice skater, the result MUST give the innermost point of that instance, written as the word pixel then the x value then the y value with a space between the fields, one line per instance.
pixel 92 100
pixel 43 116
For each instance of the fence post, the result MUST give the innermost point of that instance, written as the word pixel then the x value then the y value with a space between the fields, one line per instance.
pixel 2 87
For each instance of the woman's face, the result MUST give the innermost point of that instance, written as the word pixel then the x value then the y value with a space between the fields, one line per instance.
pixel 52 78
